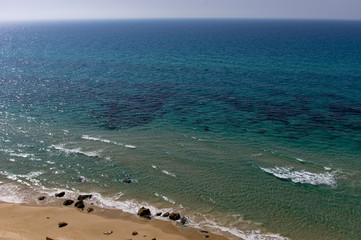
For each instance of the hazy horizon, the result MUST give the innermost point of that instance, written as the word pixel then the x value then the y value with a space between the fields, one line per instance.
pixel 40 10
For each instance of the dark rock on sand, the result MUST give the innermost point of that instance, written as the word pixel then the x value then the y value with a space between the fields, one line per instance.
pixel 41 198
pixel 203 231
pixel 61 194
pixel 144 212
pixel 127 180
pixel 68 202
pixel 174 216
pixel 184 220
pixel 134 233
pixel 206 236
pixel 89 210
pixel 84 197
pixel 158 214
pixel 80 205
pixel 166 214
pixel 62 224
pixel 48 238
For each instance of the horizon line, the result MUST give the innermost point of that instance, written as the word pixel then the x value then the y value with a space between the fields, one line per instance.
pixel 168 18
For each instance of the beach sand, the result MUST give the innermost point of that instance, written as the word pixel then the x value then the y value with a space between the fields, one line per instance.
pixel 20 222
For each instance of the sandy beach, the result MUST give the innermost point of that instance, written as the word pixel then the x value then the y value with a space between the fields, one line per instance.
pixel 20 222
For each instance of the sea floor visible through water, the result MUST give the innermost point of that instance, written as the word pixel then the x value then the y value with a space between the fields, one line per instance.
pixel 247 127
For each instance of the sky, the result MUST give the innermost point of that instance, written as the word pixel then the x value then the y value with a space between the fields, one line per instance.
pixel 15 10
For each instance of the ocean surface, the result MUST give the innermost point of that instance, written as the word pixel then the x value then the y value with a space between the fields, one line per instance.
pixel 251 128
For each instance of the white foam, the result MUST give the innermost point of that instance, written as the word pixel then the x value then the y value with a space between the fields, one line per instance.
pixel 165 198
pixel 87 137
pixel 130 146
pixel 61 147
pixel 26 179
pixel 168 173
pixel 164 171
pixel 248 235
pixel 327 168
pixel 23 155
pixel 302 176
pixel 10 193
pixel 300 160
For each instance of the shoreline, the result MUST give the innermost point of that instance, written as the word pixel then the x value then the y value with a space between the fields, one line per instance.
pixel 23 221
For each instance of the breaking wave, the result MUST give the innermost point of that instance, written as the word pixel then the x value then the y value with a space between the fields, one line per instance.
pixel 302 176
pixel 61 147
pixel 87 137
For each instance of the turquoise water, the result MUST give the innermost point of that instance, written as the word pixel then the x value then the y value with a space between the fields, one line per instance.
pixel 249 127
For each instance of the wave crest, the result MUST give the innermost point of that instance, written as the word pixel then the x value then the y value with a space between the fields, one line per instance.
pixel 302 176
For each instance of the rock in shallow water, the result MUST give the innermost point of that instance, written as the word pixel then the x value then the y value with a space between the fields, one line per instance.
pixel 127 180
pixel 68 202
pixel 174 216
pixel 61 194
pixel 84 197
pixel 144 212
pixel 41 198
pixel 184 220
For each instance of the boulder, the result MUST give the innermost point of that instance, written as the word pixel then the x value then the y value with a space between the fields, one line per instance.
pixel 68 202
pixel 41 198
pixel 166 214
pixel 174 216
pixel 89 210
pixel 158 214
pixel 80 205
pixel 184 220
pixel 135 233
pixel 144 212
pixel 61 194
pixel 84 197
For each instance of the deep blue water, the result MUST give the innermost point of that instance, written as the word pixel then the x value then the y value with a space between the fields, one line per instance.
pixel 253 124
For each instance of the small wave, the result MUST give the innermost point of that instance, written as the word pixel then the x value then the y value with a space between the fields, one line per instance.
pixel 164 171
pixel 130 146
pixel 23 155
pixel 27 179
pixel 300 160
pixel 302 176
pixel 168 173
pixel 247 235
pixel 87 137
pixel 165 198
pixel 61 147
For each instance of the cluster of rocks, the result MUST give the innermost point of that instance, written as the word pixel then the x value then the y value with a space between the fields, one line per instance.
pixel 79 204
pixel 145 213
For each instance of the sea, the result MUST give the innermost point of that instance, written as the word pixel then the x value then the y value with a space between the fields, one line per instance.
pixel 250 128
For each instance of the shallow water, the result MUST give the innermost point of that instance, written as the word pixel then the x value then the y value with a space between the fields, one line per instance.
pixel 244 126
